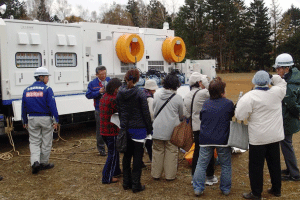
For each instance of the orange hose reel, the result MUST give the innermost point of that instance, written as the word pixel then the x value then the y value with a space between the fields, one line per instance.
pixel 173 49
pixel 130 48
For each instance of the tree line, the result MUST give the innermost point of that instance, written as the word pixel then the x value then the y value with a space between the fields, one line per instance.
pixel 239 37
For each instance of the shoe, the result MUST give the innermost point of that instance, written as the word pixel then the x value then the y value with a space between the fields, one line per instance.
pixel 102 153
pixel 46 166
pixel 1 178
pixel 285 172
pixel 251 196
pixel 114 180
pixel 127 187
pixel 192 182
pixel 139 189
pixel 290 178
pixel 276 194
pixel 35 167
pixel 226 193
pixel 211 180
pixel 170 179
pixel 198 194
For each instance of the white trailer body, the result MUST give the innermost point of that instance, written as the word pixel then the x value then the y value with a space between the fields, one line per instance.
pixel 153 59
pixel 71 53
pixel 206 67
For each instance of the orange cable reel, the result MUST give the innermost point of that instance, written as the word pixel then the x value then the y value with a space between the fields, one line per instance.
pixel 173 49
pixel 130 48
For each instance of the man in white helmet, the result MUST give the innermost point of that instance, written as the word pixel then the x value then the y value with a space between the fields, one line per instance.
pixel 290 111
pixel 40 117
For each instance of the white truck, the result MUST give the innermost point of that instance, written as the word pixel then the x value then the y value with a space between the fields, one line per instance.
pixel 71 53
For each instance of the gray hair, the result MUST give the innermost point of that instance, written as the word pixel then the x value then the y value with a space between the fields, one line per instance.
pixel 100 68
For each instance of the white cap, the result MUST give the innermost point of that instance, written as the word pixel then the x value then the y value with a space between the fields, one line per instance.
pixel 150 84
pixel 196 77
pixel 41 71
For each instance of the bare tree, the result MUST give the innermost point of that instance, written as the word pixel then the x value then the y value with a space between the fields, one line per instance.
pixel 32 7
pixel 83 13
pixel 62 9
pixel 275 12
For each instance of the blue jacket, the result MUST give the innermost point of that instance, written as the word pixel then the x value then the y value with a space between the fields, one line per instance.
pixel 93 91
pixel 38 100
pixel 215 119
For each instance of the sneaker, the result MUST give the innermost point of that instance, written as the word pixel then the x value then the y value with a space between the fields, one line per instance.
pixel 35 167
pixel 192 182
pixel 276 194
pixel 251 196
pixel 198 194
pixel 102 153
pixel 211 180
pixel 226 193
pixel 46 166
pixel 290 178
pixel 285 172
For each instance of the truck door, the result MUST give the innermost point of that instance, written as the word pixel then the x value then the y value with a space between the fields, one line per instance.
pixel 65 59
pixel 27 47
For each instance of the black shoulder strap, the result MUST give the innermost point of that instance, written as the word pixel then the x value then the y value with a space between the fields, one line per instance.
pixel 165 104
pixel 192 106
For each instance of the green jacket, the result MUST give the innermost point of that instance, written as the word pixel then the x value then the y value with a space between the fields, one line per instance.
pixel 291 103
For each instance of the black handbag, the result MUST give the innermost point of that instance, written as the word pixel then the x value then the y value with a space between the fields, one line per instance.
pixel 121 143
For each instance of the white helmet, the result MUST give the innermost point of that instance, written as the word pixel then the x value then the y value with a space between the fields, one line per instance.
pixel 41 71
pixel 284 60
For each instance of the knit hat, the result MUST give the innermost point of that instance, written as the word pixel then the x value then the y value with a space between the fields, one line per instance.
pixel 151 84
pixel 196 77
pixel 261 78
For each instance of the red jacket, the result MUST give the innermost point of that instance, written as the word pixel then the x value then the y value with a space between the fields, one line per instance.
pixel 108 107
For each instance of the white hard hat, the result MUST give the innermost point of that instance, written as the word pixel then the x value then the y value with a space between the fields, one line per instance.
pixel 41 71
pixel 151 85
pixel 284 60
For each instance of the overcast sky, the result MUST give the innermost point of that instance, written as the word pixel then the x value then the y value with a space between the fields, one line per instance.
pixel 169 4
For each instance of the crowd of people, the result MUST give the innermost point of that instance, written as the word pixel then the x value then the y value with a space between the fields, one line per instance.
pixel 149 118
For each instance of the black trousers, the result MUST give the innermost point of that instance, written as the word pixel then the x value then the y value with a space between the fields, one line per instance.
pixel 135 150
pixel 257 156
pixel 210 171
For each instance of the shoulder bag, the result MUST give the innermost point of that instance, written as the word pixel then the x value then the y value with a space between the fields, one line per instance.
pixel 182 135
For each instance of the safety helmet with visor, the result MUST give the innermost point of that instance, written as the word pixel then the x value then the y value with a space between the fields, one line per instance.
pixel 283 60
pixel 41 71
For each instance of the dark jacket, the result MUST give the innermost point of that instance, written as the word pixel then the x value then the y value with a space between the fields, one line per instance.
pixel 215 119
pixel 291 103
pixel 133 109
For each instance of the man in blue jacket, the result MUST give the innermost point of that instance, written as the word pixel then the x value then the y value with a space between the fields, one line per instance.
pixel 96 89
pixel 40 117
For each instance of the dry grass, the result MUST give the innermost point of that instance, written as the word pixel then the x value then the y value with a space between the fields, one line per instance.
pixel 73 180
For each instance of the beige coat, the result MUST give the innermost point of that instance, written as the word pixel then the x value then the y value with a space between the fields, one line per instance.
pixel 200 98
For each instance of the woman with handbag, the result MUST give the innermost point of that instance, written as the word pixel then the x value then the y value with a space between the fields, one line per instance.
pixel 262 107
pixel 135 118
pixel 109 131
pixel 215 119
pixel 198 95
pixel 168 111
